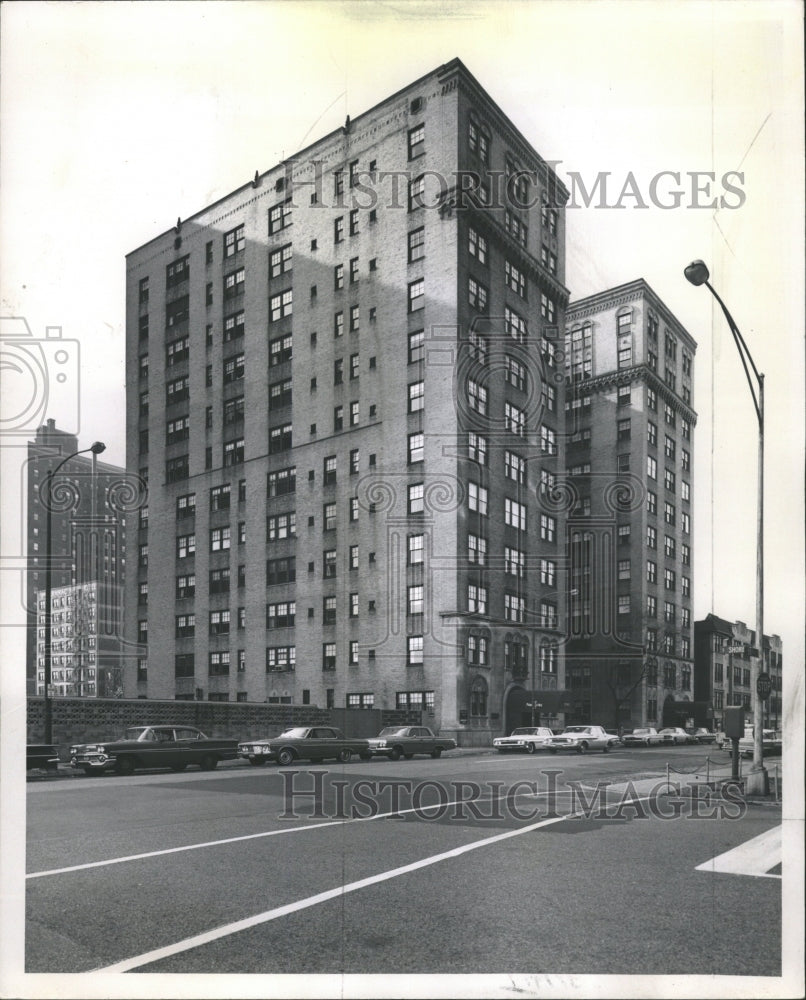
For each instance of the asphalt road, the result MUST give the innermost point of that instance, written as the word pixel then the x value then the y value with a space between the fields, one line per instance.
pixel 483 863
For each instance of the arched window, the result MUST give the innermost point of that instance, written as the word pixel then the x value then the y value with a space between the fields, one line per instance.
pixel 478 697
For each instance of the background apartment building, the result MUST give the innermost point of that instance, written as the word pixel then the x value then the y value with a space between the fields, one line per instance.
pixel 722 655
pixel 629 456
pixel 88 532
pixel 343 391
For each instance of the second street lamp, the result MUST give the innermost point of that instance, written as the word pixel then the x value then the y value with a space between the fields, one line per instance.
pixel 757 783
pixel 96 448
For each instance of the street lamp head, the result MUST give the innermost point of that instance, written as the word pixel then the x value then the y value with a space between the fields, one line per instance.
pixel 97 447
pixel 696 272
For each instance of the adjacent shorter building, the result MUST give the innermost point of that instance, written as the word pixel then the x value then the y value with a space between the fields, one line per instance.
pixel 629 437
pixel 85 641
pixel 722 656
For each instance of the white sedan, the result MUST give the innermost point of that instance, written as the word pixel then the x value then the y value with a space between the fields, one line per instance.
pixel 528 738
pixel 646 737
pixel 673 734
pixel 581 739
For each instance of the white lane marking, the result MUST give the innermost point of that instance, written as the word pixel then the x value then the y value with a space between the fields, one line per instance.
pixel 322 897
pixel 257 836
pixel 755 857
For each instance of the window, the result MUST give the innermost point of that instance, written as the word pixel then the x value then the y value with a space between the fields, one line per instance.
pixel 515 514
pixel 548 309
pixel 279 350
pixel 329 610
pixel 477 397
pixel 234 241
pixel 476 549
pixel 477 245
pixel 416 346
pixel 477 448
pixel 233 452
pixel 233 369
pixel 338 419
pixel 623 430
pixel 685 490
pixel 416 244
pixel 329 468
pixel 185 626
pixel 685 554
pixel 514 608
pixel 651 467
pixel 416 141
pixel 477 295
pixel 416 295
pixel 416 193
pixel 177 351
pixel 514 467
pixel 280 571
pixel 548 445
pixel 281 305
pixel 515 279
pixel 355 410
pixel 281 615
pixel 219 622
pixel 515 325
pixel 280 216
pixel 279 526
pixel 651 537
pixel 669 579
pixel 685 586
pixel 220 497
pixel 280 482
pixel 353 557
pixel 651 571
pixel 279 438
pixel 338 229
pixel 476 599
pixel 548 527
pixel 177 430
pixel 651 502
pixel 233 283
pixel 338 324
pixel 514 561
pixel 415 600
pixel 548 259
pixel 177 468
pixel 624 569
pixel 219 539
pixel 651 606
pixel 353 222
pixel 414 644
pixel 280 658
pixel 669 515
pixel 186 585
pixel 416 447
pixel 416 498
pixel 417 396
pixel 354 318
pixel 477 498
pixel 625 350
pixel 353 605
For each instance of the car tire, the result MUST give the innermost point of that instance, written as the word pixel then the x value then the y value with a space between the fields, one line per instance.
pixel 209 762
pixel 436 753
pixel 286 756
pixel 124 765
pixel 531 747
pixel 583 747
pixel 257 761
pixel 178 767
pixel 396 753
pixel 344 755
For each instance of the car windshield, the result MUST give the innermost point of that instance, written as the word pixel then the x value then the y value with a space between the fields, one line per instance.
pixel 394 731
pixel 639 732
pixel 577 729
pixel 668 730
pixel 524 732
pixel 298 733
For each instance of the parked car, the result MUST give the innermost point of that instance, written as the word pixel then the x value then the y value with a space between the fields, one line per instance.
pixel 581 739
pixel 771 743
pixel 172 747
pixel 616 737
pixel 673 734
pixel 41 756
pixel 646 736
pixel 313 743
pixel 701 735
pixel 527 739
pixel 405 741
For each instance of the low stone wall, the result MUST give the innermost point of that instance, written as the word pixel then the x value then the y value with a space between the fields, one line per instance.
pixel 85 720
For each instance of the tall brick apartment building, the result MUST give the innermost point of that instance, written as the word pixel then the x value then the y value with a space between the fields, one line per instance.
pixel 629 454
pixel 84 505
pixel 344 393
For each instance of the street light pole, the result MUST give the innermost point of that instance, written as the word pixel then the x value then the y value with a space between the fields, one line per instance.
pixel 757 782
pixel 96 448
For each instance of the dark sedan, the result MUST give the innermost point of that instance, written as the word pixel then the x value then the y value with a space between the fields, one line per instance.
pixel 313 743
pixel 171 747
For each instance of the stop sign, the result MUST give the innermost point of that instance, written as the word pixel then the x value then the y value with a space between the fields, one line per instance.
pixel 763 686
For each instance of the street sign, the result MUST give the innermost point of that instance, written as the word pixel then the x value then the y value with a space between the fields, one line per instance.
pixel 763 686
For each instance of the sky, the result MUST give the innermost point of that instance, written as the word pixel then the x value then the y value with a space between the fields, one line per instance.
pixel 117 118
